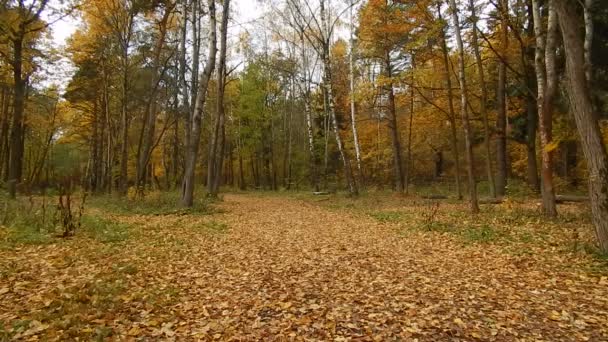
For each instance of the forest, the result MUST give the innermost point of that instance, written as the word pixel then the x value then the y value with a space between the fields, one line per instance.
pixel 304 169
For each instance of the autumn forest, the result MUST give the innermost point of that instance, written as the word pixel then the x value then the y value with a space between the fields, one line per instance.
pixel 304 169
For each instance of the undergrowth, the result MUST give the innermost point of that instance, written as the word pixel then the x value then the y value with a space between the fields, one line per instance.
pixel 153 203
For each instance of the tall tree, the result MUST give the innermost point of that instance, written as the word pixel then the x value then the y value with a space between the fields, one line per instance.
pixel 216 147
pixel 484 98
pixel 353 118
pixel 318 29
pixel 547 86
pixel 451 112
pixel 501 102
pixel 464 111
pixel 383 33
pixel 18 28
pixel 159 67
pixel 586 118
pixel 197 114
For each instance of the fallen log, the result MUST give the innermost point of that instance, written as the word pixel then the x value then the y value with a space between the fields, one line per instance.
pixel 570 198
pixel 490 200
pixel 434 197
pixel 319 193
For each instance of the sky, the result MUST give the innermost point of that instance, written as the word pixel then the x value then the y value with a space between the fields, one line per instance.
pixel 245 11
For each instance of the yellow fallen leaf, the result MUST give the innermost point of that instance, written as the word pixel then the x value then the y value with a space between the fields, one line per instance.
pixel 555 316
pixel 134 331
pixel 459 322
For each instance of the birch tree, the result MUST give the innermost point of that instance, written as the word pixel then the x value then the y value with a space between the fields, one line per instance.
pixel 547 85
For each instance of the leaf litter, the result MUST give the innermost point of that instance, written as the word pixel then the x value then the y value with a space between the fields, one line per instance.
pixel 287 269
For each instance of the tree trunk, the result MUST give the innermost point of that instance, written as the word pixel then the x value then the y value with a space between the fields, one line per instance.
pixel 147 144
pixel 464 113
pixel 393 127
pixel 546 79
pixel 586 120
pixel 409 138
pixel 327 83
pixel 4 133
pixel 123 182
pixel 531 126
pixel 16 137
pixel 501 117
pixel 588 12
pixel 484 100
pixel 197 114
pixel 527 55
pixel 216 155
pixel 451 111
pixel 353 120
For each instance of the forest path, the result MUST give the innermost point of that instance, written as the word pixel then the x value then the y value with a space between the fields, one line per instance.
pixel 295 268
pixel 269 267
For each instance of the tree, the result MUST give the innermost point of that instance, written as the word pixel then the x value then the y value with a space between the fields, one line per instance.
pixel 547 86
pixel 320 38
pixel 484 98
pixel 353 118
pixel 450 96
pixel 586 118
pixel 383 33
pixel 21 23
pixel 464 111
pixel 197 113
pixel 216 147
pixel 501 102
pixel 159 67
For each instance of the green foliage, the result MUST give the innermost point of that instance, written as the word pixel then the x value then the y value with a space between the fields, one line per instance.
pixel 215 227
pixel 387 216
pixel 34 221
pixel 154 203
pixel 105 230
pixel 27 221
pixel 481 234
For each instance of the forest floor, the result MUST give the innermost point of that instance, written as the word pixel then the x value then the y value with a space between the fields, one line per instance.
pixel 283 267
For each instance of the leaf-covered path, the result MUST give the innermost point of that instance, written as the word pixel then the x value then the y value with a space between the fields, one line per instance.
pixel 289 269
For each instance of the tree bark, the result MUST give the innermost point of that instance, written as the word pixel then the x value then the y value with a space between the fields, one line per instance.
pixel 146 146
pixel 393 127
pixel 327 83
pixel 546 79
pixel 411 124
pixel 484 99
pixel 16 137
pixel 353 120
pixel 451 111
pixel 588 13
pixel 216 154
pixel 586 120
pixel 464 113
pixel 197 114
pixel 501 118
pixel 527 54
